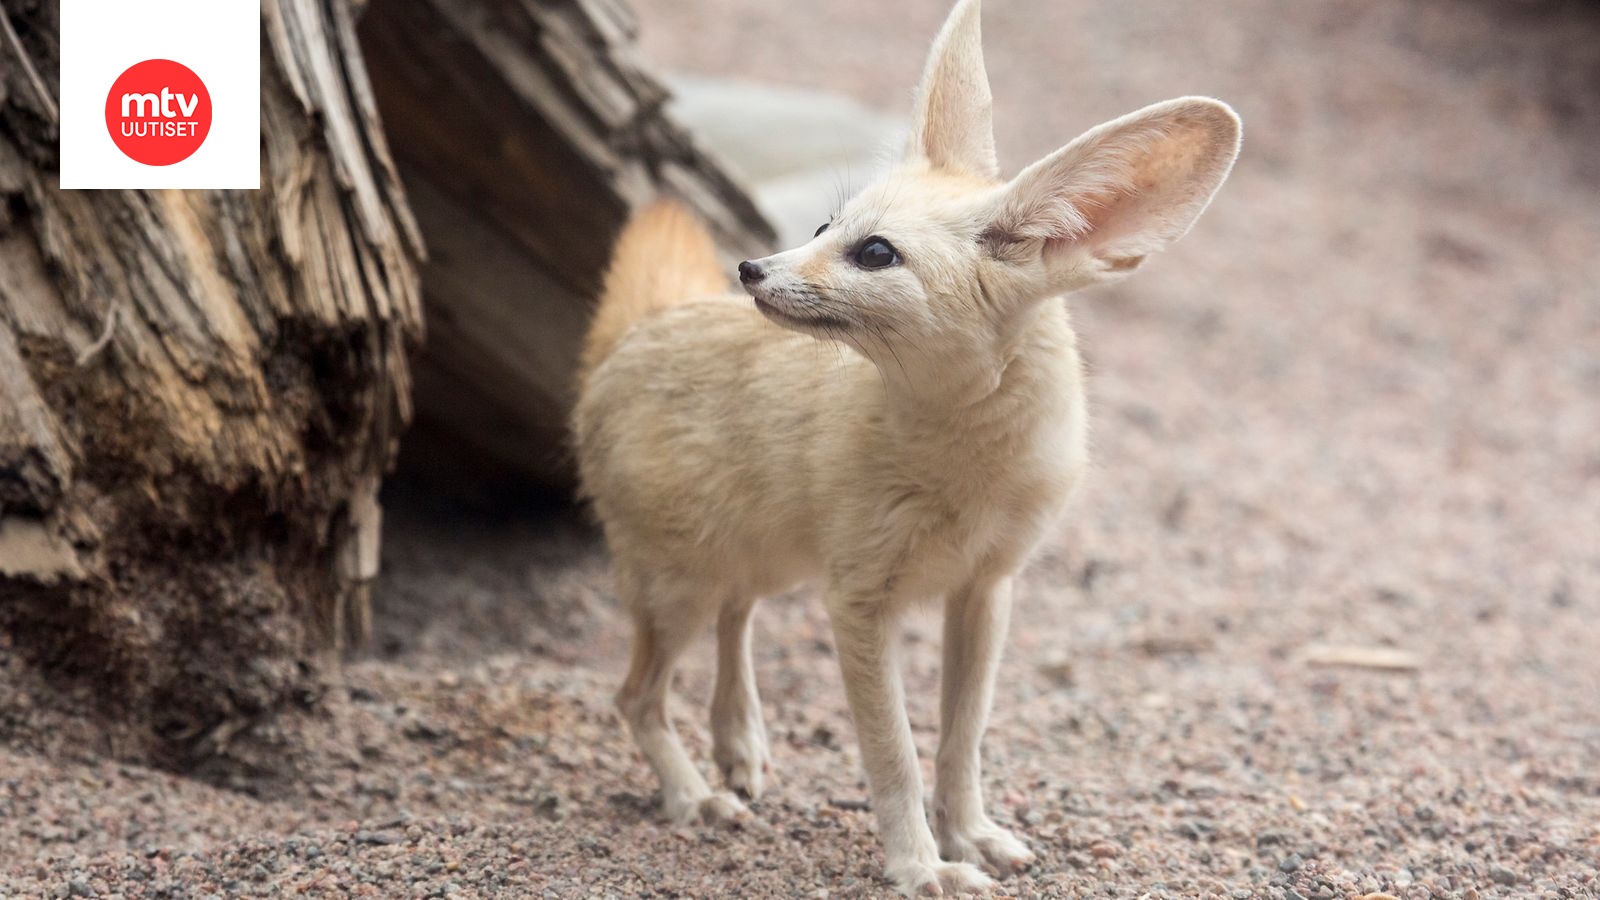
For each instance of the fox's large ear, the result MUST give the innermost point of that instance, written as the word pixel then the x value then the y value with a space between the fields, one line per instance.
pixel 1123 190
pixel 953 124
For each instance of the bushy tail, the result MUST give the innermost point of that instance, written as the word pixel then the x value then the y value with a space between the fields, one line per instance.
pixel 664 257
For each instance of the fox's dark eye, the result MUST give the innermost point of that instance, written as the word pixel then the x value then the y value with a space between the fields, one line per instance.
pixel 821 228
pixel 876 253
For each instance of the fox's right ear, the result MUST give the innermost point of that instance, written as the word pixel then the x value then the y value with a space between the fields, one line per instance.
pixel 1098 206
pixel 953 121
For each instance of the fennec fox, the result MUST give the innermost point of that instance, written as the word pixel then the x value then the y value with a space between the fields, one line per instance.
pixel 727 460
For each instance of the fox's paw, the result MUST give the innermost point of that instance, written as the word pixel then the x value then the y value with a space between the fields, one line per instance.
pixel 721 808
pixel 937 878
pixel 745 764
pixel 987 844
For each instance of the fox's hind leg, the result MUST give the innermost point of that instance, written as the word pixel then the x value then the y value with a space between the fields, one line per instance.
pixel 739 738
pixel 665 625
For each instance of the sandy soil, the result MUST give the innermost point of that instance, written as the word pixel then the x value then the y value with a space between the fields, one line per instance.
pixel 1359 406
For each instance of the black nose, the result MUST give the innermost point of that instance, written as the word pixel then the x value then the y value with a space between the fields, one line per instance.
pixel 750 273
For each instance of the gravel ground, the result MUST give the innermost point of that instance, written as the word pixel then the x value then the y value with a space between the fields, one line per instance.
pixel 1355 411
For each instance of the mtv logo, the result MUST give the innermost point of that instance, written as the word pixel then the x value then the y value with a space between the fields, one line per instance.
pixel 160 94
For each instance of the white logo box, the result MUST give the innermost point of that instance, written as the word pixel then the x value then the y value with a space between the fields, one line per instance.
pixel 219 39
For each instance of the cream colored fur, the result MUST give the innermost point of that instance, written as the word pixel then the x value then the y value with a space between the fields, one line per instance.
pixel 731 452
pixel 637 284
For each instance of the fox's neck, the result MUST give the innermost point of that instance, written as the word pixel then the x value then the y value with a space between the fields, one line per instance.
pixel 1040 382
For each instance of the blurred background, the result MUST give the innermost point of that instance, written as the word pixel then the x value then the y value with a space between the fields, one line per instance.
pixel 1323 622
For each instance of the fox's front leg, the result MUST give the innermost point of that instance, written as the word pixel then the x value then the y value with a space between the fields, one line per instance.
pixel 877 702
pixel 975 623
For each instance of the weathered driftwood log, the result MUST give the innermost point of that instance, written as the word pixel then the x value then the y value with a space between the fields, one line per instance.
pixel 525 132
pixel 199 392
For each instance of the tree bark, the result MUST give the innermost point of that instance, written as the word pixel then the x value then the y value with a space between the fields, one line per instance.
pixel 525 133
pixel 199 392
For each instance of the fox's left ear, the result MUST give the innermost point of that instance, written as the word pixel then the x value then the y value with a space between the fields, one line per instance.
pixel 1120 192
pixel 953 121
